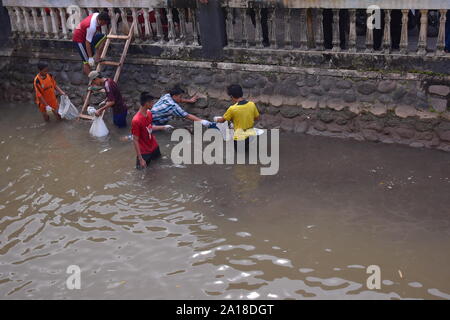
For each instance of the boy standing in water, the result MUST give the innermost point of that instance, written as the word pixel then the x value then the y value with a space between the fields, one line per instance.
pixel 45 86
pixel 242 113
pixel 113 100
pixel 144 141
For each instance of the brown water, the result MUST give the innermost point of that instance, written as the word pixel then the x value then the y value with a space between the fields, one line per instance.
pixel 208 232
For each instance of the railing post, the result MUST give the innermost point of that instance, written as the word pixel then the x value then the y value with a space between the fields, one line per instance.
pixel 230 28
pixel 422 45
pixel 19 21
pixel 369 39
pixel 54 23
pixel 287 30
pixel 25 20
pixel 319 27
pixel 195 26
pixel 183 29
pixel 159 29
pixel 125 24
pixel 352 31
pixel 273 28
pixel 145 12
pixel 36 32
pixel 404 35
pixel 12 20
pixel 336 35
pixel 387 43
pixel 441 36
pixel 171 34
pixel 114 19
pixel 62 14
pixel 258 29
pixel 136 32
pixel 303 30
pixel 244 40
pixel 45 23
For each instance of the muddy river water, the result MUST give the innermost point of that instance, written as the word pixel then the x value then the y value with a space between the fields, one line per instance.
pixel 220 231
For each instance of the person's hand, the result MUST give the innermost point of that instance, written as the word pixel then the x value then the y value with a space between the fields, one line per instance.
pixel 206 123
pixel 98 113
pixel 194 99
pixel 63 93
pixel 91 62
pixel 142 162
pixel 168 127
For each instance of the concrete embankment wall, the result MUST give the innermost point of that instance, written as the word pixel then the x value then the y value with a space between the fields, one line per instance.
pixel 406 108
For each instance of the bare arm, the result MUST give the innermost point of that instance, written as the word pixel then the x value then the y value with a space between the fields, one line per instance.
pixel 158 128
pixel 138 151
pixel 60 91
pixel 192 117
pixel 108 104
pixel 220 119
pixel 89 49
pixel 191 100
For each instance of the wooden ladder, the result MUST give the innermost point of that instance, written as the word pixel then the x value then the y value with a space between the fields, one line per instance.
pixel 104 62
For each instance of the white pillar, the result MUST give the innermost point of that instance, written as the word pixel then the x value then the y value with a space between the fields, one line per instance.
pixel 387 42
pixel 62 14
pixel 45 22
pixel 441 36
pixel 26 17
pixel 54 23
pixel 404 35
pixel 13 21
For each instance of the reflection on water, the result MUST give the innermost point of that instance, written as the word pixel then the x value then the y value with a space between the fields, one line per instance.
pixel 209 232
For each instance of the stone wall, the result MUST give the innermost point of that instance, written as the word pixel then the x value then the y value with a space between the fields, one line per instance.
pixel 410 109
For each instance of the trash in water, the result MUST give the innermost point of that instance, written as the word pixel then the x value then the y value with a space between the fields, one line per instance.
pixel 66 109
pixel 98 128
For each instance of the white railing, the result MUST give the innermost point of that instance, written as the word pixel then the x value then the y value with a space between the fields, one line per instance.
pixel 158 22
pixel 273 24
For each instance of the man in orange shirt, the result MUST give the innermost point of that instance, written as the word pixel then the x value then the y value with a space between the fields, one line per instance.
pixel 45 86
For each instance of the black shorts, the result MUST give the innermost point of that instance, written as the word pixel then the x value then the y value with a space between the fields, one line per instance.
pixel 81 46
pixel 148 158
pixel 246 143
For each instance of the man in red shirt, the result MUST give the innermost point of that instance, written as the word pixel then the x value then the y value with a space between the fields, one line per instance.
pixel 145 143
pixel 87 41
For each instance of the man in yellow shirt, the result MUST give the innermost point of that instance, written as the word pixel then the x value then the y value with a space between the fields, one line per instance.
pixel 242 113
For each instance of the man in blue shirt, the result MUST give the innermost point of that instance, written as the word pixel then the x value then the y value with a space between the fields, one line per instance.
pixel 168 106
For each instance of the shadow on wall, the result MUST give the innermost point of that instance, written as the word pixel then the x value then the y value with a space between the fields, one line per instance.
pixel 4 24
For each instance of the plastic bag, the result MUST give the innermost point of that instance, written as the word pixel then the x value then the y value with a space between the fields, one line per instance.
pixel 91 111
pixel 66 109
pixel 98 127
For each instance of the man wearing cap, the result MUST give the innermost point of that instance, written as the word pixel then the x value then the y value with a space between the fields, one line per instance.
pixel 168 106
pixel 113 100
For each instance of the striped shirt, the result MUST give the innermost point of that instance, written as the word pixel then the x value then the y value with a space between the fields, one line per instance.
pixel 165 108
